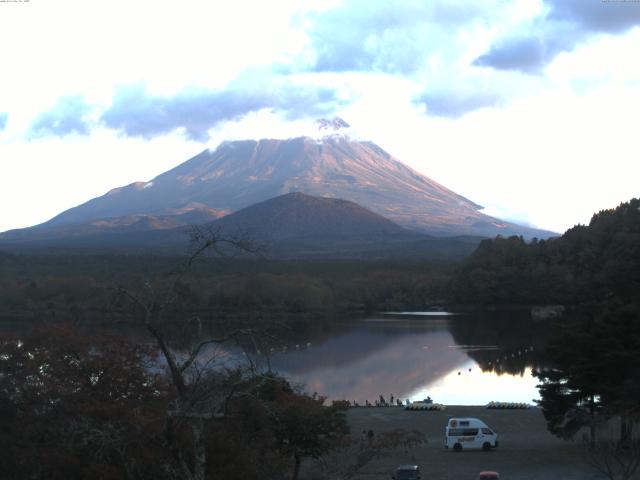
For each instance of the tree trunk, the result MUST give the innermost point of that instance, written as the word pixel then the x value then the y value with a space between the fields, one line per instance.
pixel 592 435
pixel 199 449
pixel 296 467
pixel 625 429
pixel 592 426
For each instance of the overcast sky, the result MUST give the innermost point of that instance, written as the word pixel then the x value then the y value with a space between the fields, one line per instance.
pixel 529 108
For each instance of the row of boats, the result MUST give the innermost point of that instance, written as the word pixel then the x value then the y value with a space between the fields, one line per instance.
pixel 509 406
pixel 430 406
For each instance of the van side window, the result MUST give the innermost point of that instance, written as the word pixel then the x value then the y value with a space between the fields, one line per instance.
pixel 487 431
pixel 464 423
pixel 463 432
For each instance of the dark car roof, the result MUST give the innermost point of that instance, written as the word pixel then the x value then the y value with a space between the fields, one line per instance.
pixel 489 474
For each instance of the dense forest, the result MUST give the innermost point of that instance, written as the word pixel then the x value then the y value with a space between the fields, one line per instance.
pixel 594 262
pixel 81 288
pixel 593 353
pixel 597 262
pixel 589 382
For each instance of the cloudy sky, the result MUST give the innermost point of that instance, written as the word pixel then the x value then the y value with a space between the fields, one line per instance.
pixel 526 107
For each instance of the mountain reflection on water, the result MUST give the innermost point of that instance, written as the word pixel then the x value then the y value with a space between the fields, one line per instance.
pixel 462 360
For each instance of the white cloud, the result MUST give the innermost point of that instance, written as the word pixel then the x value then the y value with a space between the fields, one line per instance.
pixel 557 156
pixel 551 149
pixel 71 47
pixel 44 177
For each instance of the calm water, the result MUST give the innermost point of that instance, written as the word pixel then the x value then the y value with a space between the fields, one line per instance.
pixel 454 359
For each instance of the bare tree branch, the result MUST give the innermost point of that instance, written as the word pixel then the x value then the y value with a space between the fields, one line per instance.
pixel 196 351
pixel 613 459
pixel 196 401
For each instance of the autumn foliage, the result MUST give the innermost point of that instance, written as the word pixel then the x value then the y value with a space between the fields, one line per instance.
pixel 77 405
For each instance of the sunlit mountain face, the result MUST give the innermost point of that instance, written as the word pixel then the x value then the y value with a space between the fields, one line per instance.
pixel 238 174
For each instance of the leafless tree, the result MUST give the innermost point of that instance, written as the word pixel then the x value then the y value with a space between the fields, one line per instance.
pixel 615 461
pixel 616 458
pixel 195 400
pixel 357 453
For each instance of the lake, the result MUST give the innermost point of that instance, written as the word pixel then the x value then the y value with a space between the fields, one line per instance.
pixel 456 359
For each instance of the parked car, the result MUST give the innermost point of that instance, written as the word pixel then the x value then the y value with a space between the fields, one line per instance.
pixel 407 472
pixel 489 475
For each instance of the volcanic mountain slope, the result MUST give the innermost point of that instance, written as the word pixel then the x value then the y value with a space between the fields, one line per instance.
pixel 192 214
pixel 292 226
pixel 241 173
pixel 297 225
pixel 300 216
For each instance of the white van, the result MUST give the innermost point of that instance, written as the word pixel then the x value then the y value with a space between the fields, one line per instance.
pixel 469 433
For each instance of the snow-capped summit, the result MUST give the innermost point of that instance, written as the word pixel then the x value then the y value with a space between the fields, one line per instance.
pixel 335 124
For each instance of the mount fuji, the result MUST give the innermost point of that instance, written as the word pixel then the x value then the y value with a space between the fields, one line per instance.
pixel 238 174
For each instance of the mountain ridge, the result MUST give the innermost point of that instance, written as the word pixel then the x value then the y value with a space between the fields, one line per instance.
pixel 240 173
pixel 298 215
pixel 290 226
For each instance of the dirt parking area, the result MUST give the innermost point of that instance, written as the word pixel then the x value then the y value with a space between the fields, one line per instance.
pixel 527 451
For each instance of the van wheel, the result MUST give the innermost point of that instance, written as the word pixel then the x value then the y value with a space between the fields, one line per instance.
pixel 457 447
pixel 486 446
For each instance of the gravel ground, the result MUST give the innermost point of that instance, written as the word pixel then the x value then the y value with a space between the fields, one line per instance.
pixel 526 451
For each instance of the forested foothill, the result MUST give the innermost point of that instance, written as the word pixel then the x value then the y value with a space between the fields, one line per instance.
pixel 597 262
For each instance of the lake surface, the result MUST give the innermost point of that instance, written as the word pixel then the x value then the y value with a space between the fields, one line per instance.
pixel 466 359
pixel 454 358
